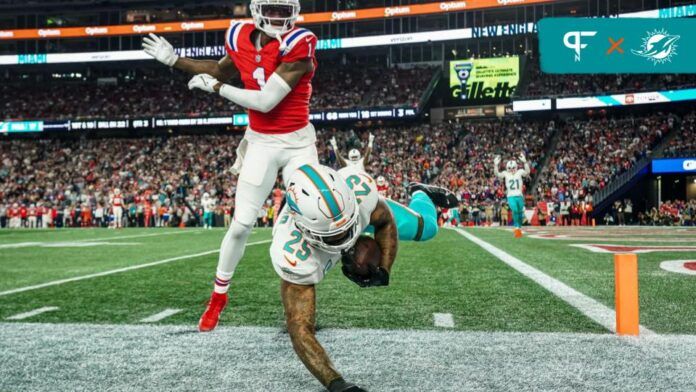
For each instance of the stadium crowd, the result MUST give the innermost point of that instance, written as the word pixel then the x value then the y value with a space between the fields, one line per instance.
pixel 162 179
pixel 670 213
pixel 684 141
pixel 121 96
pixel 589 154
pixel 75 179
pixel 549 85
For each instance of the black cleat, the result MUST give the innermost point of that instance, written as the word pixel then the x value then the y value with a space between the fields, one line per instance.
pixel 441 197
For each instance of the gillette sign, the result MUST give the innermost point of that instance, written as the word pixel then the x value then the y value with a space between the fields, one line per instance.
pixel 674 166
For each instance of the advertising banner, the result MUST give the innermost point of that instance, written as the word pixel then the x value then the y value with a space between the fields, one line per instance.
pixel 619 45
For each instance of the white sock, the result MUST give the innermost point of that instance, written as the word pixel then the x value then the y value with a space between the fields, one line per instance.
pixel 231 252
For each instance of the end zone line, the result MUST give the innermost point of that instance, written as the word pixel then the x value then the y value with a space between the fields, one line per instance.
pixel 118 270
pixel 591 308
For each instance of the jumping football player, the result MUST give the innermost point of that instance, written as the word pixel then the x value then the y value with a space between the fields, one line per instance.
pixel 276 62
pixel 354 156
pixel 325 214
pixel 514 181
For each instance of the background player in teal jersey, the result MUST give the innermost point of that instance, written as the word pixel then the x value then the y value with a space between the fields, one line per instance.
pixel 514 182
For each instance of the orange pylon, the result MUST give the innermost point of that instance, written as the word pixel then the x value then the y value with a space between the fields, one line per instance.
pixel 626 277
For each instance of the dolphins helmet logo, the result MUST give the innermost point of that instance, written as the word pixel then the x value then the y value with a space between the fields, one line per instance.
pixel 659 47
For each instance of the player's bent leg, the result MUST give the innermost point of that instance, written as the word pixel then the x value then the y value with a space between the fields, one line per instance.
pixel 418 221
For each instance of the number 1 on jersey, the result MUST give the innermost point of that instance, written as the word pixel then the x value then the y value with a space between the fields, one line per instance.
pixel 260 76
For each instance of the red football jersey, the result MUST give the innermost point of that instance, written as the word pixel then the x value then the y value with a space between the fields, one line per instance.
pixel 256 67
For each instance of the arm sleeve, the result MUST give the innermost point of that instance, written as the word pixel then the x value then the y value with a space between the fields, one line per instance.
pixel 527 170
pixel 265 100
pixel 497 172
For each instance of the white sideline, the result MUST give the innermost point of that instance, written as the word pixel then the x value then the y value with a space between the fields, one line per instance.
pixel 596 311
pixel 26 315
pixel 443 320
pixel 161 315
pixel 116 271
pixel 123 237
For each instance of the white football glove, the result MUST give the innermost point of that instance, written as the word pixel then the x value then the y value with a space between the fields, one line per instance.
pixel 496 160
pixel 523 158
pixel 204 82
pixel 334 144
pixel 371 140
pixel 160 49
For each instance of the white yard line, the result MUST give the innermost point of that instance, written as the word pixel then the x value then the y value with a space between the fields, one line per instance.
pixel 32 313
pixel 161 315
pixel 123 237
pixel 91 240
pixel 591 308
pixel 118 270
pixel 443 320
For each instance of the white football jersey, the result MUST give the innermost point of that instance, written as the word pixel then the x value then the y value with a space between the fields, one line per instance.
pixel 358 165
pixel 208 205
pixel 294 259
pixel 514 182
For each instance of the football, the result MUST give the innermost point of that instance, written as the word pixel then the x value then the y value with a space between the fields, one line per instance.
pixel 366 255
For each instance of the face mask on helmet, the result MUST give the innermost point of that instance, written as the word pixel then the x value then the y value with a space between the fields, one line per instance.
pixel 333 242
pixel 354 155
pixel 325 210
pixel 275 17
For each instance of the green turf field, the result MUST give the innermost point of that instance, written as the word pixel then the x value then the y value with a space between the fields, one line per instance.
pixel 447 275
pixel 120 278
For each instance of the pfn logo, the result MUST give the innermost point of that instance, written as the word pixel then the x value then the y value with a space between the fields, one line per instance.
pixel 576 43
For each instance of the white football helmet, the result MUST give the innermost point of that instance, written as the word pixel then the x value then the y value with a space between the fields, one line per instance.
pixel 325 210
pixel 381 181
pixel 206 195
pixel 275 17
pixel 117 191
pixel 511 166
pixel 354 155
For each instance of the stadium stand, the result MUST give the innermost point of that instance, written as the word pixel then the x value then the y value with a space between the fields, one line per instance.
pixel 587 155
pixel 590 153
pixel 548 85
pixel 684 142
pixel 670 213
pixel 167 95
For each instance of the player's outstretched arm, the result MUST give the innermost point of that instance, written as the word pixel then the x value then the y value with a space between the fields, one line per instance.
pixel 496 164
pixel 300 311
pixel 276 88
pixel 368 150
pixel 223 70
pixel 386 235
pixel 341 162
pixel 526 170
pixel 161 50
